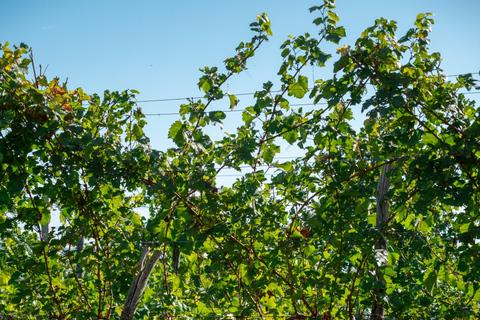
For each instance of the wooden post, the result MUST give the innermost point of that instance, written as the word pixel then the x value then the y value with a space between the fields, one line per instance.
pixel 80 247
pixel 139 282
pixel 45 231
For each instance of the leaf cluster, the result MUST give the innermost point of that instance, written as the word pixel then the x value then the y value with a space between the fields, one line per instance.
pixel 292 239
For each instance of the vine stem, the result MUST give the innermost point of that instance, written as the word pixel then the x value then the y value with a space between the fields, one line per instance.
pixel 55 297
pixel 353 285
pixel 257 305
pixel 197 124
pixel 80 286
pixel 276 102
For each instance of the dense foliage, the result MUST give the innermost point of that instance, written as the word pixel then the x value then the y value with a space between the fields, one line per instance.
pixel 297 240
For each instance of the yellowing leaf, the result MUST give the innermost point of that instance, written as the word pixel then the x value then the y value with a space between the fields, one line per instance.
pixel 233 101
pixel 343 50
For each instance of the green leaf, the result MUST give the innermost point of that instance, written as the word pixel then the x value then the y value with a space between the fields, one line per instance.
pixel 287 166
pixel 427 224
pixel 205 84
pixel 247 118
pixel 429 138
pixel 46 216
pixel 465 227
pixel 36 95
pixel 161 230
pixel 291 136
pixel 137 131
pixel 430 281
pixel 372 219
pixel 175 128
pixel 269 153
pixel 17 278
pixel 299 88
pixel 177 132
pixel 216 117
pixel 269 301
pixel 318 21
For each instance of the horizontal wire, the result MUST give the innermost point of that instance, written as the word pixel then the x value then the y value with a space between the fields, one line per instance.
pixel 251 93
pixel 241 110
pixel 230 111
pixel 179 99
pixel 292 105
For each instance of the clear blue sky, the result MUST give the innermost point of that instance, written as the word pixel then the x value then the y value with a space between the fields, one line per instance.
pixel 157 47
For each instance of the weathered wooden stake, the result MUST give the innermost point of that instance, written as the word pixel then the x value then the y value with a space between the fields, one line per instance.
pixel 139 283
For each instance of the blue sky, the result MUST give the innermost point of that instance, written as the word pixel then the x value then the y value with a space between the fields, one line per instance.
pixel 157 47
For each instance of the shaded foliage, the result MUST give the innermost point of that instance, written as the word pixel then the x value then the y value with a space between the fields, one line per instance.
pixel 293 241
